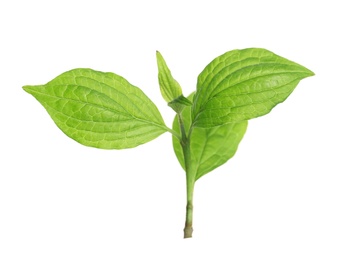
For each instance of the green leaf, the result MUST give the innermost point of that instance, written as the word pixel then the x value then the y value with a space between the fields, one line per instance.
pixel 100 109
pixel 179 104
pixel 169 87
pixel 243 84
pixel 210 147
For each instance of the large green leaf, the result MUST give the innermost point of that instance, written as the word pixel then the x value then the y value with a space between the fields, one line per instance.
pixel 100 109
pixel 243 84
pixel 210 147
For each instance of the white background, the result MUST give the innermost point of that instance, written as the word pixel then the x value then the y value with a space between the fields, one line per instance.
pixel 280 197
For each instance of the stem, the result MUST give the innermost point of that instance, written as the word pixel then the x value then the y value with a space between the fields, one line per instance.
pixel 190 179
pixel 189 208
pixel 173 133
pixel 184 138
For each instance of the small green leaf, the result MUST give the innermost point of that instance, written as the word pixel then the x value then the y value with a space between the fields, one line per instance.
pixel 179 104
pixel 169 87
pixel 210 147
pixel 243 84
pixel 100 109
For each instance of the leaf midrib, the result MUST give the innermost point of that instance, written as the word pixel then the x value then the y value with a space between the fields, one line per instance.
pixel 241 69
pixel 90 131
pixel 202 108
pixel 104 108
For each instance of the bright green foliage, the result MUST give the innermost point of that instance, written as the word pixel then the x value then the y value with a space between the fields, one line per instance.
pixel 210 147
pixel 104 110
pixel 100 109
pixel 243 84
pixel 169 87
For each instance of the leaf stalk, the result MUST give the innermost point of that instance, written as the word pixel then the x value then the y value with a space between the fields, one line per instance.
pixel 174 133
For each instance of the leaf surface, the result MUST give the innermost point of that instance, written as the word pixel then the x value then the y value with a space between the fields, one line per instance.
pixel 210 147
pixel 169 87
pixel 243 84
pixel 100 109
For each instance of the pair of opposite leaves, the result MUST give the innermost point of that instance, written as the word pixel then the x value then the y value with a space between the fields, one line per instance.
pixel 104 110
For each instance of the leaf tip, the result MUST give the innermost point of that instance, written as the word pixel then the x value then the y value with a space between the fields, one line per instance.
pixel 308 72
pixel 27 88
pixel 33 89
pixel 160 59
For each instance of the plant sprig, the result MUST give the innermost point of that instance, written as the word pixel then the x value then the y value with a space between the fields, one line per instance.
pixel 104 110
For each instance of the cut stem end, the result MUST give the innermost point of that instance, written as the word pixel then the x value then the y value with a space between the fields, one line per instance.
pixel 188 231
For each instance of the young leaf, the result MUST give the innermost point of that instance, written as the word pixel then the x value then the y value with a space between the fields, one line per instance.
pixel 100 109
pixel 179 104
pixel 169 87
pixel 243 84
pixel 210 147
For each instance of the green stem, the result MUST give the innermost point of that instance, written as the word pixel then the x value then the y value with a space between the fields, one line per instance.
pixel 190 182
pixel 173 133
pixel 184 138
pixel 190 179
